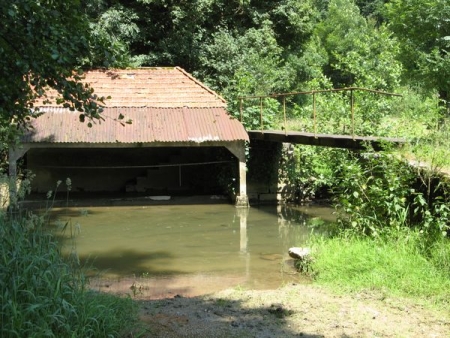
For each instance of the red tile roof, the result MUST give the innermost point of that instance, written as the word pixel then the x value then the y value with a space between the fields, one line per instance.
pixel 164 104
pixel 148 87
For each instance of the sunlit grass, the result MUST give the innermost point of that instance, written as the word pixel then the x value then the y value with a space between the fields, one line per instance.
pixel 393 266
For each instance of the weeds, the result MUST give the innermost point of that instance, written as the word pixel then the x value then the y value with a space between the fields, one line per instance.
pixel 42 295
pixel 393 265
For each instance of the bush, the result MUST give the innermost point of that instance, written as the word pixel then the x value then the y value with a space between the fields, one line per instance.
pixel 44 296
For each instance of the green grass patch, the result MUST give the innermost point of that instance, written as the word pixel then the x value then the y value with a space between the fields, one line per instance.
pixel 42 295
pixel 393 265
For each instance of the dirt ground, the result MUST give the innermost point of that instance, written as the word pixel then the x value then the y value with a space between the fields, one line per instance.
pixel 295 310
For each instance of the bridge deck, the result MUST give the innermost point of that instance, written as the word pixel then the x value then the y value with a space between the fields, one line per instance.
pixel 335 141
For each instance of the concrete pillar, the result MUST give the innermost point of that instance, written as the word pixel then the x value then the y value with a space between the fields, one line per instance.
pixel 238 150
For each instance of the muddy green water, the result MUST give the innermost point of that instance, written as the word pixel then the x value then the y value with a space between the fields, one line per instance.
pixel 192 248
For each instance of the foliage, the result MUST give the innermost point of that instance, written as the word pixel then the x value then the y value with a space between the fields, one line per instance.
pixel 378 192
pixel 359 53
pixel 260 70
pixel 175 33
pixel 423 30
pixel 42 295
pixel 23 189
pixel 260 115
pixel 390 265
pixel 372 193
pixel 38 49
pixel 439 255
pixel 312 173
pixel 115 26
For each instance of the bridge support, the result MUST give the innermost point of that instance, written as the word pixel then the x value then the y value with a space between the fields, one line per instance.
pixel 238 150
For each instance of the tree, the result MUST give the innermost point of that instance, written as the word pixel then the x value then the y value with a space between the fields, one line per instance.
pixel 359 53
pixel 45 43
pixel 423 29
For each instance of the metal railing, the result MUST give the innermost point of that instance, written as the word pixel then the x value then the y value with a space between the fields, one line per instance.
pixel 313 93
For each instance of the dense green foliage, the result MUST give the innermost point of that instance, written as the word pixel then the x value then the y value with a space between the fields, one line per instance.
pixel 423 30
pixel 46 44
pixel 44 296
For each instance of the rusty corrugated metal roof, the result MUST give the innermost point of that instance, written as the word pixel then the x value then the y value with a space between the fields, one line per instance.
pixel 165 105
pixel 149 125
pixel 147 87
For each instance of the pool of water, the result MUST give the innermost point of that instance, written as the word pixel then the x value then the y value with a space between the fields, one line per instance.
pixel 158 250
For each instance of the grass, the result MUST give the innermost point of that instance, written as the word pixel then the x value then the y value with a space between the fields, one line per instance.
pixel 393 266
pixel 44 296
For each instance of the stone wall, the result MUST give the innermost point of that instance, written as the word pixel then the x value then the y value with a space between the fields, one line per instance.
pixel 267 177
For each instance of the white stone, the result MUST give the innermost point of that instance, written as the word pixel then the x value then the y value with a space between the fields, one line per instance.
pixel 299 253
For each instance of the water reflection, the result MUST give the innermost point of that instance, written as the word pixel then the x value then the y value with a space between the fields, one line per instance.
pixel 188 248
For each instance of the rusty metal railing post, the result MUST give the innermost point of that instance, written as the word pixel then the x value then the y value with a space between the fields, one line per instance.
pixel 314 114
pixel 261 113
pixel 284 113
pixel 353 113
pixel 313 93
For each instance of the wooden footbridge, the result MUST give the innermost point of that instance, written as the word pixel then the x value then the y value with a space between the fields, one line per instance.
pixel 348 141
pixel 324 140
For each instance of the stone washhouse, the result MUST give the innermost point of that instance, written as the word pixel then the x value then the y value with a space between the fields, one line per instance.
pixel 181 139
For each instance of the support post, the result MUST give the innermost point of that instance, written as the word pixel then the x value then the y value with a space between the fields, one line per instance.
pixel 238 150
pixel 352 103
pixel 261 113
pixel 284 113
pixel 314 113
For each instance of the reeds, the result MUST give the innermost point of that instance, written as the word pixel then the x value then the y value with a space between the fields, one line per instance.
pixel 42 295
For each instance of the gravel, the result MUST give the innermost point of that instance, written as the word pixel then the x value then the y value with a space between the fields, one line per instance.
pixel 295 310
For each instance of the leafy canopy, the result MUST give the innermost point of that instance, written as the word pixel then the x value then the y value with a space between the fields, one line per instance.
pixel 423 28
pixel 45 43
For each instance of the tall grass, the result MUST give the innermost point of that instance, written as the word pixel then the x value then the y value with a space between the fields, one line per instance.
pixel 41 295
pixel 393 265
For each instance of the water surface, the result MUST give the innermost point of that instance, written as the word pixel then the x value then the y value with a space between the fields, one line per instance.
pixel 187 249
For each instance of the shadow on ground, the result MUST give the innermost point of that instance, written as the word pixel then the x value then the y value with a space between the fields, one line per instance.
pixel 217 317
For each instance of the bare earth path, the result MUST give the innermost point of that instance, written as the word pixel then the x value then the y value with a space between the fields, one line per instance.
pixel 291 311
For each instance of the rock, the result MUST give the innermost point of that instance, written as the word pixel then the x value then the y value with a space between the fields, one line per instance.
pixel 299 253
